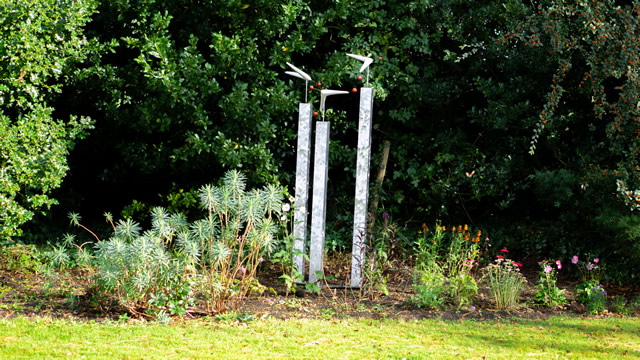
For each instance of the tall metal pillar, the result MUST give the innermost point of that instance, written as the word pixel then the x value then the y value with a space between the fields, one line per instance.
pixel 362 187
pixel 319 202
pixel 303 164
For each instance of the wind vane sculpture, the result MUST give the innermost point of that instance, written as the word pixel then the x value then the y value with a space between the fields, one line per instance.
pixel 360 212
pixel 302 75
pixel 320 177
pixel 302 175
pixel 366 61
pixel 323 97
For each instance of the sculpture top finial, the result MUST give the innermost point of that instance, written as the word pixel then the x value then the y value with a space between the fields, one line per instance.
pixel 295 74
pixel 302 75
pixel 328 92
pixel 366 61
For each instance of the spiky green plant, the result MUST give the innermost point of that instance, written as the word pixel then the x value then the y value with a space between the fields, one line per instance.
pixel 236 234
pixel 155 271
pixel 147 273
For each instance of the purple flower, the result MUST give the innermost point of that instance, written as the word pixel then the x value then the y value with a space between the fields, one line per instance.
pixel 385 215
pixel 574 260
pixel 590 266
pixel 547 269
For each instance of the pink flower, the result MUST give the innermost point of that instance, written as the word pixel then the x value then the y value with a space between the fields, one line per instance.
pixel 558 264
pixel 596 260
pixel 547 269
pixel 574 260
pixel 517 264
pixel 500 256
pixel 504 250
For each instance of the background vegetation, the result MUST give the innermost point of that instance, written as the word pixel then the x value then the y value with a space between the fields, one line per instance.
pixel 518 117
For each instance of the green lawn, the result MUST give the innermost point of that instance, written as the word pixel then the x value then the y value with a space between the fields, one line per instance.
pixel 555 338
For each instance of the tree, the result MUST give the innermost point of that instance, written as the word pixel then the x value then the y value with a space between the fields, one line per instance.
pixel 486 103
pixel 39 41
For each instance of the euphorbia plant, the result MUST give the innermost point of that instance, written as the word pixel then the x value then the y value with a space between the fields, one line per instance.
pixel 238 229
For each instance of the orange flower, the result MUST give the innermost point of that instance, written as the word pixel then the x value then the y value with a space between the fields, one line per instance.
pixel 424 226
pixel 444 228
pixel 466 227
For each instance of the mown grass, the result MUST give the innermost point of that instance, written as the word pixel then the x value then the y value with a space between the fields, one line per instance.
pixel 559 338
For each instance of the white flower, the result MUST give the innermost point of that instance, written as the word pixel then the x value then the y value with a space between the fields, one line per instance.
pixel 283 218
pixel 291 198
pixel 286 207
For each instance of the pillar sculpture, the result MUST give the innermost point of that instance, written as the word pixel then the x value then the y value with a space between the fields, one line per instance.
pixel 358 252
pixel 303 163
pixel 320 177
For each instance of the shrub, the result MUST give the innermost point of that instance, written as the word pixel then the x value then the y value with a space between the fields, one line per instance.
pixel 238 230
pixel 159 271
pixel 505 282
pixel 548 293
pixel 41 40
pixel 589 270
pixel 20 257
pixel 619 305
pixel 444 270
pixel 429 284
pixel 381 242
pixel 592 294
pixel 150 273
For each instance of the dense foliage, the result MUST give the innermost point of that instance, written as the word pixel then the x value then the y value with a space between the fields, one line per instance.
pixel 40 42
pixel 517 117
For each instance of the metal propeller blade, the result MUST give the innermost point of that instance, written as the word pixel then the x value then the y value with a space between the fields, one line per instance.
pixel 328 92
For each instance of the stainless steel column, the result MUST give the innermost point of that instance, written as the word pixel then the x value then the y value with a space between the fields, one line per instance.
pixel 319 202
pixel 303 163
pixel 362 187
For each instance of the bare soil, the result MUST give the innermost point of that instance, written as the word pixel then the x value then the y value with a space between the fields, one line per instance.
pixel 69 295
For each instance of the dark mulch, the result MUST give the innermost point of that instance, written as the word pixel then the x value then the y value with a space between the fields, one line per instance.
pixel 68 295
